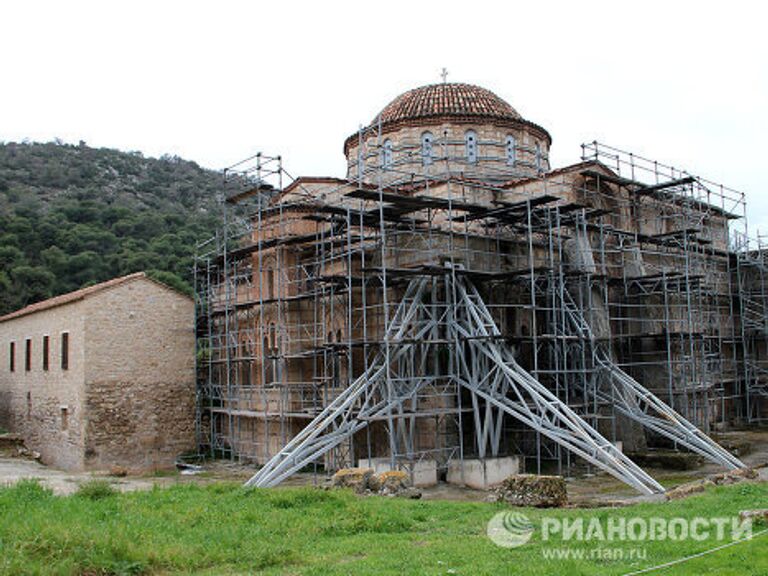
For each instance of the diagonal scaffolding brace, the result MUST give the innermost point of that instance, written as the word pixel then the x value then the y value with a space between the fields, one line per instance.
pixel 486 367
pixel 638 403
pixel 519 394
pixel 365 399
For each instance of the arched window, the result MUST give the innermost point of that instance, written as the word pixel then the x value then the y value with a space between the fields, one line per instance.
pixel 269 352
pixel 273 338
pixel 426 148
pixel 338 336
pixel 538 156
pixel 268 280
pixel 386 160
pixel 511 150
pixel 245 365
pixel 470 146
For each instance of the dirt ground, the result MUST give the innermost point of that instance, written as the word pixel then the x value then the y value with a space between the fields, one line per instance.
pixel 585 490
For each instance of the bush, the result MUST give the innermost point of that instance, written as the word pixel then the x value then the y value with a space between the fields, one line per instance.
pixel 96 490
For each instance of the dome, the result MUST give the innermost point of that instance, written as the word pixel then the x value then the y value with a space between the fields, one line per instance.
pixel 448 128
pixel 446 99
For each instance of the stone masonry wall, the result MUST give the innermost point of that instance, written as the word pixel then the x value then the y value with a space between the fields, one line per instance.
pixel 45 406
pixel 449 146
pixel 139 377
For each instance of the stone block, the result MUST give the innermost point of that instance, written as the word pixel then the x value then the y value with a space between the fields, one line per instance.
pixel 482 474
pixel 422 474
pixel 378 465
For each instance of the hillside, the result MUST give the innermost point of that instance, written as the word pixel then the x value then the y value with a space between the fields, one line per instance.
pixel 71 215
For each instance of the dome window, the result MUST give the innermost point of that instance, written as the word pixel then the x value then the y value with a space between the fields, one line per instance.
pixel 470 146
pixel 511 150
pixel 426 148
pixel 538 157
pixel 386 160
pixel 360 161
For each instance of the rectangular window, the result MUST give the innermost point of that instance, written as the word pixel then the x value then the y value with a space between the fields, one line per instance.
pixel 65 350
pixel 64 418
pixel 28 355
pixel 12 356
pixel 46 352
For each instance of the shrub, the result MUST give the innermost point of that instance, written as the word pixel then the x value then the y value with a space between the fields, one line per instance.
pixel 95 490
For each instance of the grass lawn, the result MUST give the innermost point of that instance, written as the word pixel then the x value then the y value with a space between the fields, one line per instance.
pixel 223 529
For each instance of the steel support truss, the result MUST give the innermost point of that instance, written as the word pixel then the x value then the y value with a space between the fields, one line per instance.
pixel 455 315
pixel 633 400
pixel 488 368
pixel 378 393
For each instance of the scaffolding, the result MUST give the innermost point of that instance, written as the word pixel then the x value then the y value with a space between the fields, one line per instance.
pixel 559 317
pixel 752 273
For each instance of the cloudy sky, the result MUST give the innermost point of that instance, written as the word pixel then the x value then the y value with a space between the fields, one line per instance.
pixel 682 82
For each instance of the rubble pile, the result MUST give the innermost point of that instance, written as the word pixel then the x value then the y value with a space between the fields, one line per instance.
pixel 532 490
pixel 364 481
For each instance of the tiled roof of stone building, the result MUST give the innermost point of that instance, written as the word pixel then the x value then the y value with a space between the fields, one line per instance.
pixel 448 99
pixel 70 296
pixel 78 295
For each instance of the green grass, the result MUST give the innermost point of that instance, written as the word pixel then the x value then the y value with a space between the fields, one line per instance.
pixel 223 529
pixel 95 490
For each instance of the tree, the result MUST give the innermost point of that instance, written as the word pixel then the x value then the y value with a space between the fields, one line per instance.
pixel 170 279
pixel 71 215
pixel 8 299
pixel 10 257
pixel 34 282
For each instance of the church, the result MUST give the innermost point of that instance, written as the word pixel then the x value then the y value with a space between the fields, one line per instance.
pixel 458 308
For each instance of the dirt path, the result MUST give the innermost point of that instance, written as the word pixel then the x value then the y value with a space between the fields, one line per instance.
pixel 589 490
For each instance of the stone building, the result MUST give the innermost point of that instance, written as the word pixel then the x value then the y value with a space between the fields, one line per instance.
pixel 102 376
pixel 455 305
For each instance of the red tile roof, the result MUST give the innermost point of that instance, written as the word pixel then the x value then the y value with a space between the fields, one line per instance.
pixel 448 99
pixel 71 296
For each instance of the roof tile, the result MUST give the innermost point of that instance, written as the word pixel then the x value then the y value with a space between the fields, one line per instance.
pixel 448 99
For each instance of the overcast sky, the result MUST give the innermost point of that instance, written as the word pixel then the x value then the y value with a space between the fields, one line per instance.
pixel 685 83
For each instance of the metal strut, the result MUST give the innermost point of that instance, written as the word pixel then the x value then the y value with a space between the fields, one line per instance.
pixel 638 403
pixel 365 399
pixel 490 371
pixel 486 367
